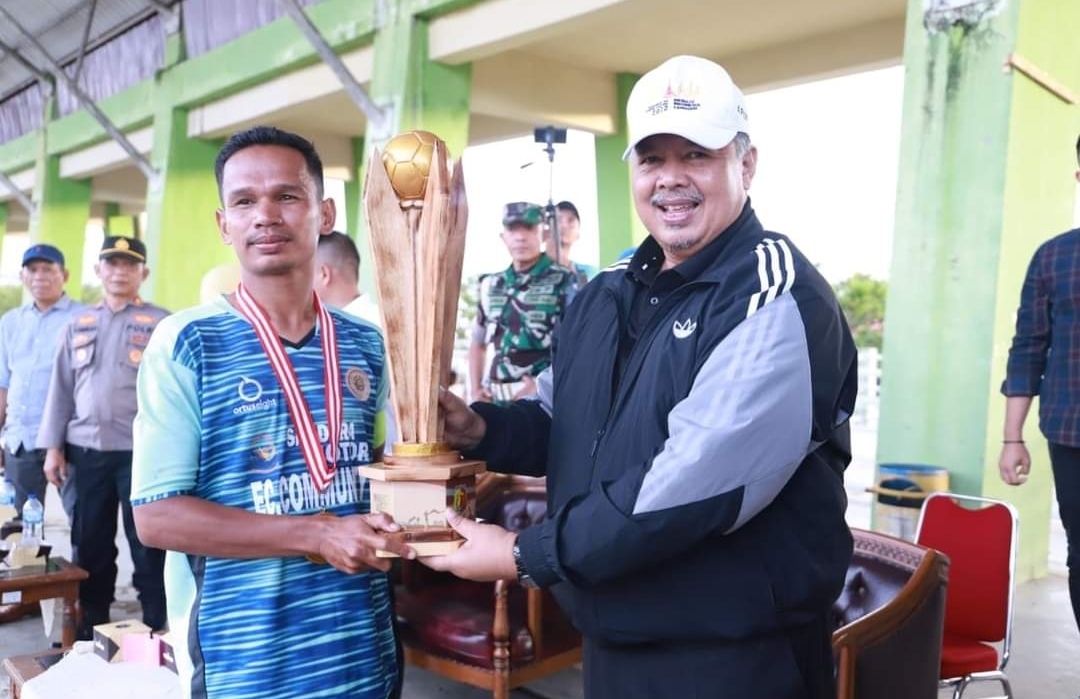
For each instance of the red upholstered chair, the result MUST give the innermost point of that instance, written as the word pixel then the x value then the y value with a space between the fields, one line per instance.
pixel 496 636
pixel 979 536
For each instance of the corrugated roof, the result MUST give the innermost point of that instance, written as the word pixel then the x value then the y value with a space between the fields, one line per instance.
pixel 59 25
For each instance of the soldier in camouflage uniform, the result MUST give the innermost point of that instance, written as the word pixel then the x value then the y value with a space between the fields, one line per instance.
pixel 518 311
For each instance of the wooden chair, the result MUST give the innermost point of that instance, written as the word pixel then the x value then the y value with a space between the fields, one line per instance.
pixel 495 636
pixel 890 619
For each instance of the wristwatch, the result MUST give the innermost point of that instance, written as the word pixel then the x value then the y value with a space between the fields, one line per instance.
pixel 524 579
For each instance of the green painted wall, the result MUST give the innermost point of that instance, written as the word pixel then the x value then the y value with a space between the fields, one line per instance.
pixel 63 209
pixel 620 226
pixel 131 109
pixel 181 235
pixel 269 51
pixel 3 228
pixel 421 94
pixel 975 146
pixel 19 153
pixel 354 192
pixel 116 223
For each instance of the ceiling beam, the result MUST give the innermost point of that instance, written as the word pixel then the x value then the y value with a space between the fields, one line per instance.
pixel 24 62
pixel 377 117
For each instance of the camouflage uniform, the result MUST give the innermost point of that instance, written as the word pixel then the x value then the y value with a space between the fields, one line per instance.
pixel 517 314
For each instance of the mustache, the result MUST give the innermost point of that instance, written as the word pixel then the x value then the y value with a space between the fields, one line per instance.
pixel 685 193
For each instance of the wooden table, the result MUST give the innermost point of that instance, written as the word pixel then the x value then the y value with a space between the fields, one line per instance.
pixel 56 578
pixel 22 668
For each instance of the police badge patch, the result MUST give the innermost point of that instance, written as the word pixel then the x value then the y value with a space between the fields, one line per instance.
pixel 358 383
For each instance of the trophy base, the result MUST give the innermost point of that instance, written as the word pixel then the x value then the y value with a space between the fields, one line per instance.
pixel 417 493
pixel 426 541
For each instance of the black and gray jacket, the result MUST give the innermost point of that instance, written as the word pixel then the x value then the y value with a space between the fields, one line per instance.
pixel 701 498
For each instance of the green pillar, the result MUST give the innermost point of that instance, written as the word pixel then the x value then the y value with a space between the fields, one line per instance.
pixel 117 223
pixel 3 227
pixel 181 234
pixel 354 202
pixel 985 176
pixel 62 212
pixel 620 226
pixel 422 94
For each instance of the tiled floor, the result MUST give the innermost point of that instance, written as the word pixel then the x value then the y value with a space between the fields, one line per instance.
pixel 1046 647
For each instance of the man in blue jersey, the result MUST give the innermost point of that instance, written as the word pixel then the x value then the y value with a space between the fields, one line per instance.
pixel 254 413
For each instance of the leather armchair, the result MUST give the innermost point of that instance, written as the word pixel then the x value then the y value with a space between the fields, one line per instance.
pixel 889 620
pixel 496 636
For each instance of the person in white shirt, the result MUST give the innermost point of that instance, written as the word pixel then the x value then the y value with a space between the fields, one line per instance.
pixel 337 270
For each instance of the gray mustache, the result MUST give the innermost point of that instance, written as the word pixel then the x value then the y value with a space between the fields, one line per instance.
pixel 661 199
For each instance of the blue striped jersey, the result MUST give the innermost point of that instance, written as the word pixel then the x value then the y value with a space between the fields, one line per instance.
pixel 213 424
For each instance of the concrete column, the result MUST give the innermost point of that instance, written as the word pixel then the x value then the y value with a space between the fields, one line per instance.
pixel 181 235
pixel 620 227
pixel 422 94
pixel 985 176
pixel 117 223
pixel 63 210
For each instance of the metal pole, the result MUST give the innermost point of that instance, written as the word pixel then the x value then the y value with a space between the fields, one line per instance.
pixel 17 193
pixel 88 104
pixel 375 114
pixel 41 75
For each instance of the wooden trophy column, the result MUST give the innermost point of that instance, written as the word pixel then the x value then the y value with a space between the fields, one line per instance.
pixel 416 215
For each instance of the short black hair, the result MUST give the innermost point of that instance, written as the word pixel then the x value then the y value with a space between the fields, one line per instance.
pixel 568 206
pixel 341 251
pixel 270 136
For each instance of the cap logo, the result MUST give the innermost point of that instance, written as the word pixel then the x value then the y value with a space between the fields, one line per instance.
pixel 122 244
pixel 682 97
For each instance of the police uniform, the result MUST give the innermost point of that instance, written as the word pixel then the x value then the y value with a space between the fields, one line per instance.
pixel 89 412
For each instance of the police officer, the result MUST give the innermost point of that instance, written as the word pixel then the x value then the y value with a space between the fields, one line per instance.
pixel 518 310
pixel 87 428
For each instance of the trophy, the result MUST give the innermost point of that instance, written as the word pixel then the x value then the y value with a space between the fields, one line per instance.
pixel 416 215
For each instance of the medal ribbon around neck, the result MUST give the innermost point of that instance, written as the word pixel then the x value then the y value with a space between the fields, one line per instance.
pixel 321 469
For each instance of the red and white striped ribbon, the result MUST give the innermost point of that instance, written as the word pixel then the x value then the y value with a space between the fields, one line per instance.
pixel 320 468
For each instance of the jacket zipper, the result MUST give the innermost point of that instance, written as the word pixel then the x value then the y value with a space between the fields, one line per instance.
pixel 634 362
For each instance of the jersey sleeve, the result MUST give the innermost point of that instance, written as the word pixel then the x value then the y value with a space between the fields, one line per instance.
pixel 167 440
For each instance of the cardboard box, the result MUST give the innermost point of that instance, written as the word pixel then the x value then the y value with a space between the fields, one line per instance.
pixel 168 659
pixel 108 638
pixel 141 648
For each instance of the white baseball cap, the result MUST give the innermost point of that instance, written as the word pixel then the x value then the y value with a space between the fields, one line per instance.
pixel 687 96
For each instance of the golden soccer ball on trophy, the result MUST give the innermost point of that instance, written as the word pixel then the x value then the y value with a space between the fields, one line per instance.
pixel 407 159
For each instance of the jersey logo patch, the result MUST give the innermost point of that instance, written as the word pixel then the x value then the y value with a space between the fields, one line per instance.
pixel 683 329
pixel 358 383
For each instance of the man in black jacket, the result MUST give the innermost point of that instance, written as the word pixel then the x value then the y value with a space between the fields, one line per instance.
pixel 693 428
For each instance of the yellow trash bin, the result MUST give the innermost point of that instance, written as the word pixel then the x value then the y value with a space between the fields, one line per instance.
pixel 900 490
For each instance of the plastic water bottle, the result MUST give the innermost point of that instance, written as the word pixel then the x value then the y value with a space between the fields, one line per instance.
pixel 33 517
pixel 7 493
